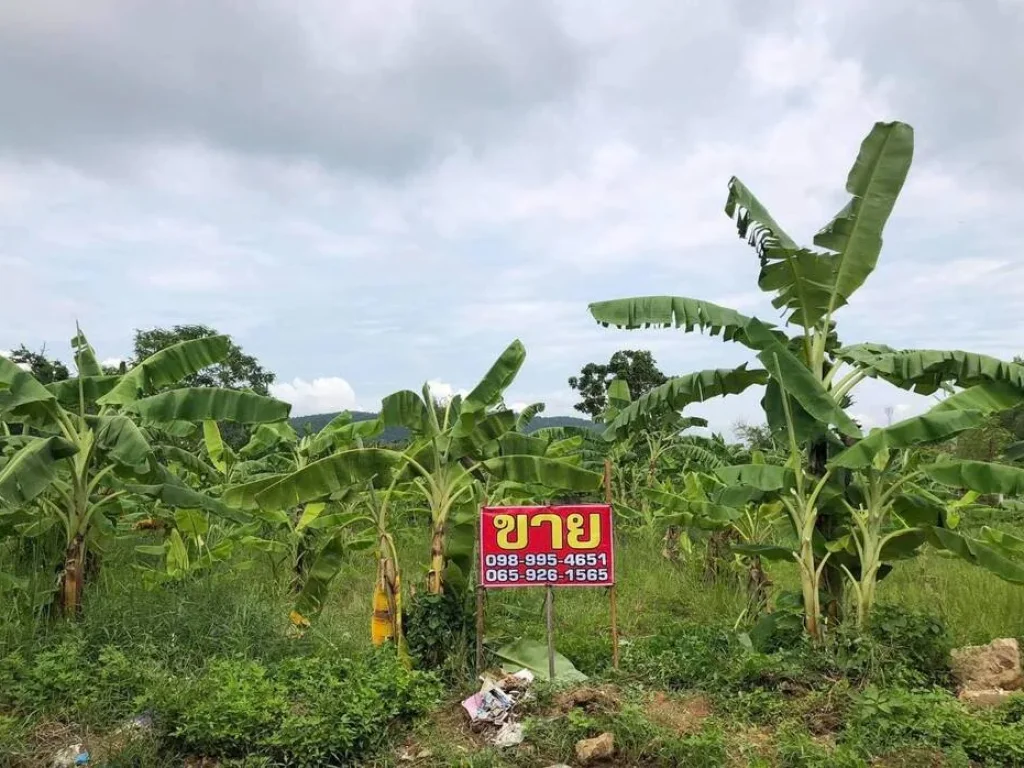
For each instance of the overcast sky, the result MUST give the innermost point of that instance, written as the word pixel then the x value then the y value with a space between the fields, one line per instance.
pixel 368 195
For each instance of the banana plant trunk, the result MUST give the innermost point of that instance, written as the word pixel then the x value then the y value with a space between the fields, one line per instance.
pixel 72 579
pixel 758 585
pixel 717 553
pixel 670 550
pixel 435 581
pixel 832 578
pixel 386 623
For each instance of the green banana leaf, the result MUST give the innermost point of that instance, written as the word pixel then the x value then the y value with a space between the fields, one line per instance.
pixel 676 393
pixel 527 414
pixel 980 476
pixel 215 447
pixel 489 391
pixel 32 469
pixel 85 356
pixel 210 403
pixel 763 477
pixel 330 475
pixel 797 379
pixel 92 389
pixel 673 312
pixel 174 494
pixel 243 495
pixel 874 183
pixel 799 277
pixel 166 367
pixel 484 434
pixel 978 553
pixel 322 572
pixel 927 370
pixel 23 395
pixel 551 473
pixel 516 443
pixel 121 439
pixel 406 409
pixel 189 461
pixel 959 412
pixel 525 653
pixel 266 436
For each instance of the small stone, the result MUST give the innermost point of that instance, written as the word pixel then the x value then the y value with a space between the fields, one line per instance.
pixel 599 748
pixel 987 667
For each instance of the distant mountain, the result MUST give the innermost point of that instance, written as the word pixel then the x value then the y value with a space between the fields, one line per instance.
pixel 318 421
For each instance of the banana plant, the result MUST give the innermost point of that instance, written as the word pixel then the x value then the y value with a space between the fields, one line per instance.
pixel 455 448
pixel 192 546
pixel 809 376
pixel 273 453
pixel 83 447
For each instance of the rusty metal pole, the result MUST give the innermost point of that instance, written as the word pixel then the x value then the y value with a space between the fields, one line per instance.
pixel 480 629
pixel 613 603
pixel 549 610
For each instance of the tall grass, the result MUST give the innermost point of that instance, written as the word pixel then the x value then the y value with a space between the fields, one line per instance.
pixel 244 612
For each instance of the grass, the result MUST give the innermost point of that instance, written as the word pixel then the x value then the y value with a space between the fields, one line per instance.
pixel 135 641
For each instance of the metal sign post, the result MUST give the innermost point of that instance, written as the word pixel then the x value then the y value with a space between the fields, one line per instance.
pixel 613 603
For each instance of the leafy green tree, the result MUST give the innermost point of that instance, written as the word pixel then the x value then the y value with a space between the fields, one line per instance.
pixel 634 366
pixel 45 370
pixel 842 492
pixel 756 437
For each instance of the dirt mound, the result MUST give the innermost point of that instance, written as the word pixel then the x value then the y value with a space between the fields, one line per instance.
pixel 588 698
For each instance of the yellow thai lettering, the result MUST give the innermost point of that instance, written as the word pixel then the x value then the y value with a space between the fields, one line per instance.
pixel 511 531
pixel 577 539
pixel 555 523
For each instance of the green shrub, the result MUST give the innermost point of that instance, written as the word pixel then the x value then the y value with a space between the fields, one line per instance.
pixel 69 680
pixel 904 648
pixel 798 749
pixel 590 652
pixel 436 631
pixel 683 656
pixel 887 719
pixel 303 711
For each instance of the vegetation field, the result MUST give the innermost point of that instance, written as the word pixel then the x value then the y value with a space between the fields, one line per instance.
pixel 687 691
pixel 186 579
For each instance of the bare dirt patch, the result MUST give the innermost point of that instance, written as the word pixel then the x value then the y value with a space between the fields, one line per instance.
pixel 680 714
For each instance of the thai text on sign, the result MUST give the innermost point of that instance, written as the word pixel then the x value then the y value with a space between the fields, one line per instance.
pixel 563 546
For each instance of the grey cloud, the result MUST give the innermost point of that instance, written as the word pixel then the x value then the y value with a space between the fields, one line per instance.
pixel 956 66
pixel 79 81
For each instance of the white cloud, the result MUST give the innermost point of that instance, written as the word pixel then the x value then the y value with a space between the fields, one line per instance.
pixel 321 395
pixel 112 362
pixel 444 391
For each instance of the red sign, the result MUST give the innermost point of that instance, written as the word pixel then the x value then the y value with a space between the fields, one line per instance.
pixel 564 546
